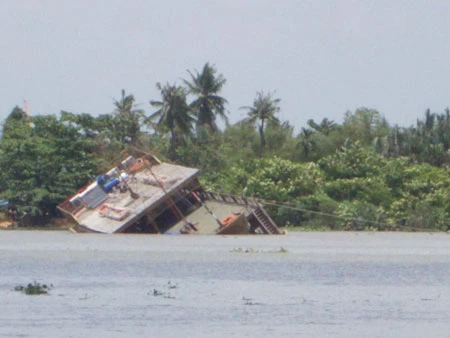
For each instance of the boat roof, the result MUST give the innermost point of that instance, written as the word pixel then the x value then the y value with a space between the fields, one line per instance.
pixel 152 184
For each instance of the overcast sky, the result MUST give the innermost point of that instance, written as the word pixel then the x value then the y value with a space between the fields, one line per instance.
pixel 321 58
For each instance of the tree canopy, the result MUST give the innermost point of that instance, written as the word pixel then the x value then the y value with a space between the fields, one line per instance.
pixel 359 174
pixel 173 116
pixel 207 105
pixel 262 112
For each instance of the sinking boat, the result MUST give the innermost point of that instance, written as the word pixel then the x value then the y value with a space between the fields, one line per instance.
pixel 145 195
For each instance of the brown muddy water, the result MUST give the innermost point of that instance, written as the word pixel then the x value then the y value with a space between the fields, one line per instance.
pixel 298 285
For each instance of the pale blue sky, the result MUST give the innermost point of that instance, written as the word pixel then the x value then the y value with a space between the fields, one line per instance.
pixel 322 58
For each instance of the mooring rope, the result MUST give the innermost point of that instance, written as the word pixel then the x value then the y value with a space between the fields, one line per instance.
pixel 289 206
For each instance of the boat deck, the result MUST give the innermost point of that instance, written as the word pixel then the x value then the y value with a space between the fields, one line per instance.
pixel 153 186
pixel 204 221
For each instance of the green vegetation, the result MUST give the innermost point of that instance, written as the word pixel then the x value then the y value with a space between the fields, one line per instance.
pixel 363 174
pixel 33 289
pixel 251 251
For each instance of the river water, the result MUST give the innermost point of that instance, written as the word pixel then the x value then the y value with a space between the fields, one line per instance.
pixel 298 285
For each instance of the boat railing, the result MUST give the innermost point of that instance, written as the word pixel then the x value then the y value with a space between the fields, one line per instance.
pixel 227 198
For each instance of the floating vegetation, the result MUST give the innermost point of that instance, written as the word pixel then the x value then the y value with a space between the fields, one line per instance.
pixel 249 301
pixel 33 289
pixel 172 286
pixel 282 250
pixel 84 298
pixel 241 250
pixel 158 293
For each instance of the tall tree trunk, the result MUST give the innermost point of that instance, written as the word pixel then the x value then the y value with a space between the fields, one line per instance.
pixel 173 145
pixel 261 134
pixel 263 139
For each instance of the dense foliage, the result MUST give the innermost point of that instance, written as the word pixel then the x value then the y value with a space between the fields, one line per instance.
pixel 361 174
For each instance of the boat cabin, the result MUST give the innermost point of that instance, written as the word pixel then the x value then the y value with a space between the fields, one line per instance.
pixel 144 195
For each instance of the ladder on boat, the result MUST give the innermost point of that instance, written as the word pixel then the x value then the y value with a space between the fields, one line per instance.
pixel 266 223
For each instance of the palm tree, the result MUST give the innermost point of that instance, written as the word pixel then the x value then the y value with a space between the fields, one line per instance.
pixel 306 143
pixel 129 126
pixel 208 105
pixel 173 115
pixel 262 112
pixel 325 127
